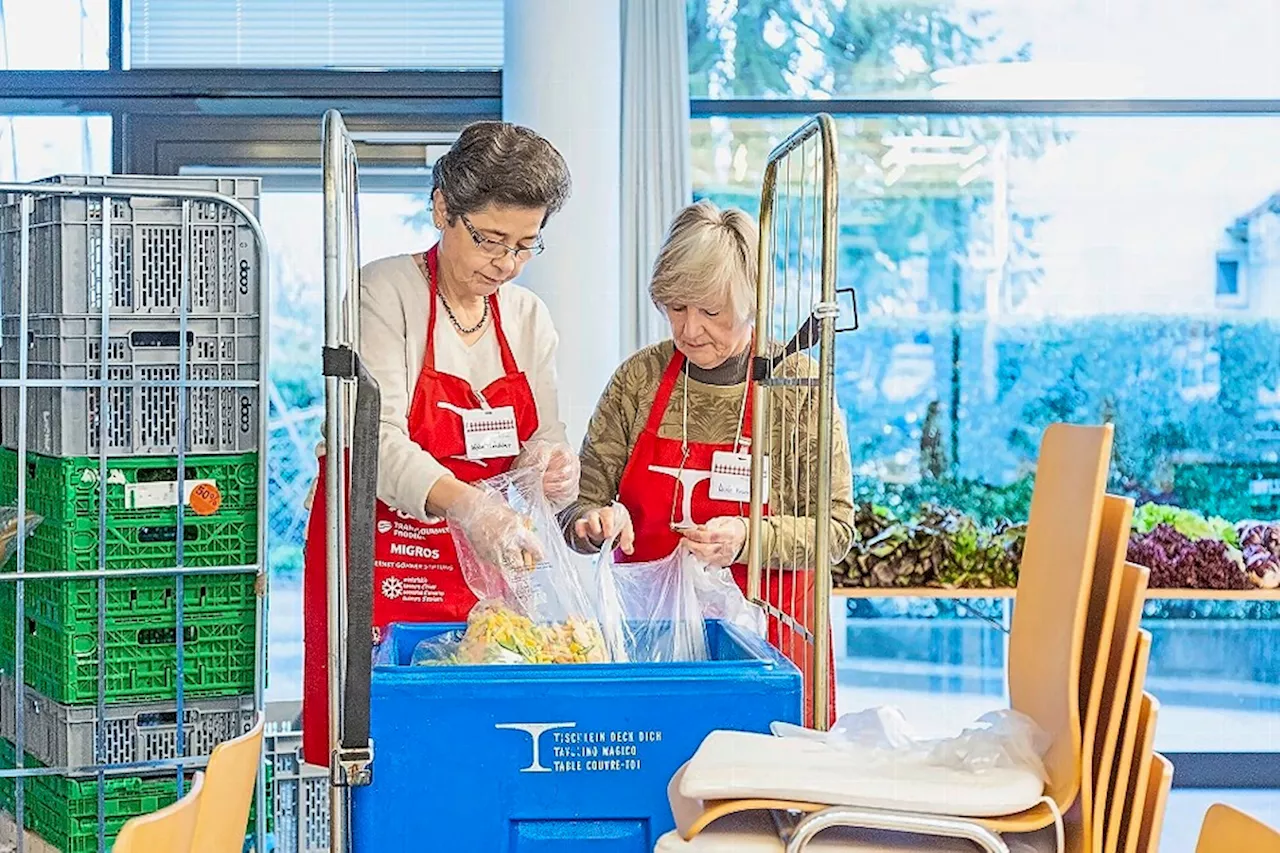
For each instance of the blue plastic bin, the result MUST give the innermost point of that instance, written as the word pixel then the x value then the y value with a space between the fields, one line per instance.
pixel 550 759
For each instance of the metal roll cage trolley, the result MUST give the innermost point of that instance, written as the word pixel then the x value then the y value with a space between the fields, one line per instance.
pixel 106 267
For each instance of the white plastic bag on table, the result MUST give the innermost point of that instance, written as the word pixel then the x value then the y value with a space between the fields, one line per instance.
pixel 656 612
pixel 1004 738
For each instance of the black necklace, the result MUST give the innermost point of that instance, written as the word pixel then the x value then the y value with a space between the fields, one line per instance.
pixel 484 316
pixel 452 319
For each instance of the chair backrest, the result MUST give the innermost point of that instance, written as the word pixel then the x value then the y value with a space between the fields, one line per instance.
pixel 1100 634
pixel 229 786
pixel 1127 743
pixel 1046 641
pixel 1229 830
pixel 1159 783
pixel 1118 675
pixel 1127 822
pixel 166 830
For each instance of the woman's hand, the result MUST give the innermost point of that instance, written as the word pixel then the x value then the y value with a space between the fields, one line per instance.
pixel 560 470
pixel 607 524
pixel 560 477
pixel 719 542
pixel 497 534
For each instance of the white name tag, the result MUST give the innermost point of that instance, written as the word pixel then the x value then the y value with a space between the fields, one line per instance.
pixel 731 476
pixel 490 433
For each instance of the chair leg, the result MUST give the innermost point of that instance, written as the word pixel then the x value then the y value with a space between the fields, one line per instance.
pixel 950 827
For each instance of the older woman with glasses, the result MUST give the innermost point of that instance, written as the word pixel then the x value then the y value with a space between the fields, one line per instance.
pixel 466 364
pixel 676 417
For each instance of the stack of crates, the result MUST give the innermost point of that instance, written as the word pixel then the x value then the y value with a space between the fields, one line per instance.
pixel 160 257
pixel 299 791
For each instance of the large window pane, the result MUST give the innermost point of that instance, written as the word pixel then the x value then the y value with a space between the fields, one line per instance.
pixel 1016 272
pixel 983 49
pixel 34 147
pixel 390 223
pixel 315 34
pixel 53 35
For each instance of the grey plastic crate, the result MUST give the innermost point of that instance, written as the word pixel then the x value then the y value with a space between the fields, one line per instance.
pixel 301 796
pixel 146 249
pixel 142 420
pixel 63 735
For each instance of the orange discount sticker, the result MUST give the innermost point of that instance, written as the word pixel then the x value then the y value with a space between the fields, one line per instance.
pixel 205 499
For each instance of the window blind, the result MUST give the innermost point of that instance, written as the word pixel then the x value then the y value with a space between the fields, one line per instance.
pixel 393 34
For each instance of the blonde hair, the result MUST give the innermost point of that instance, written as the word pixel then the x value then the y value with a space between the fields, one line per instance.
pixel 708 258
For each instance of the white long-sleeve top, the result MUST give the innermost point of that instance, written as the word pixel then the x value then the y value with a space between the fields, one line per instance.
pixel 394 307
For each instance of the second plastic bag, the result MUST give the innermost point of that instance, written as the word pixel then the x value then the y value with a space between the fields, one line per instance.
pixel 656 612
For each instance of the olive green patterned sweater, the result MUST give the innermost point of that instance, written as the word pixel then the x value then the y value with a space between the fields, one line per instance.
pixel 713 414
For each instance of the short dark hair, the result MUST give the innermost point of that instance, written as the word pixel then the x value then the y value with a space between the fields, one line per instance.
pixel 496 162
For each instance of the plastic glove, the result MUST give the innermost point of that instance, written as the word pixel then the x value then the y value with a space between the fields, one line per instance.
pixel 560 470
pixel 610 523
pixel 719 542
pixel 496 533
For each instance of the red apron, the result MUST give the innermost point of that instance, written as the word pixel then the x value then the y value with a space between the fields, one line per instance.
pixel 657 491
pixel 416 577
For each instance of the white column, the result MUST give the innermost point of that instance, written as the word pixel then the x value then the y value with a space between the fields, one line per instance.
pixel 562 77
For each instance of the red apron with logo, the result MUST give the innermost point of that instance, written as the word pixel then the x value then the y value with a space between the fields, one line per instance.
pixel 661 486
pixel 416 577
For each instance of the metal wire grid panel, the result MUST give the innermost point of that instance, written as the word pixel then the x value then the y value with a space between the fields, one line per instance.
pixel 793 406
pixel 206 234
pixel 340 177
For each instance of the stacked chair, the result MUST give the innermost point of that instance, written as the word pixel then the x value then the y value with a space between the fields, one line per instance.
pixel 1228 830
pixel 1077 667
pixel 211 816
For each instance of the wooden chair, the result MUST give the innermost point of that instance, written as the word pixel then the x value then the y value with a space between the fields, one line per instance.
pixel 1129 706
pixel 228 793
pixel 1131 806
pixel 1229 830
pixel 1047 650
pixel 1110 593
pixel 1118 680
pixel 1159 783
pixel 167 830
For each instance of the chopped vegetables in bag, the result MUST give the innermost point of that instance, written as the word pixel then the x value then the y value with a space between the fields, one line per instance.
pixel 497 634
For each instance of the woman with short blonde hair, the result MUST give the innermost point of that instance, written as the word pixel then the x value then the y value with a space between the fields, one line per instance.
pixel 675 408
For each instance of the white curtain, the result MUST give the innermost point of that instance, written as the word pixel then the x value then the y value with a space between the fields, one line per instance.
pixel 655 151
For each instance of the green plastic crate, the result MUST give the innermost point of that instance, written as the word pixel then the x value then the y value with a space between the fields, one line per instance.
pixel 64 810
pixel 61 661
pixel 75 603
pixel 141 531
pixel 66 488
pixel 218 540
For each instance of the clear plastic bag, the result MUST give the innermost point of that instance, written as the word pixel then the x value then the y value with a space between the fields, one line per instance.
pixel 656 612
pixel 721 599
pixel 544 583
pixel 1004 738
pixel 550 605
pixel 535 609
pixel 9 530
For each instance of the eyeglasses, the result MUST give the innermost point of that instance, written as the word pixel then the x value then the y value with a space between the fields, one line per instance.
pixel 497 249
